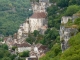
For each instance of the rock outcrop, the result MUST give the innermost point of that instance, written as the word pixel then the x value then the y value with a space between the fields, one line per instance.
pixel 66 32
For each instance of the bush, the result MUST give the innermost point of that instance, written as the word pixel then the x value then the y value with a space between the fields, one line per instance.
pixel 71 10
pixel 24 54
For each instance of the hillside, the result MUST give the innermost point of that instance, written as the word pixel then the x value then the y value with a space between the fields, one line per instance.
pixel 15 12
pixel 12 14
pixel 58 9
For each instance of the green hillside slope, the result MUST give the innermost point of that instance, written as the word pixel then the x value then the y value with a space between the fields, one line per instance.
pixel 58 9
pixel 12 14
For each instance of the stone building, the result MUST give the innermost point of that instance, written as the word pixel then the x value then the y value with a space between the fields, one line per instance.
pixel 38 20
pixel 23 47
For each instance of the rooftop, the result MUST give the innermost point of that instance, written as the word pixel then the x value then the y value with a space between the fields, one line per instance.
pixel 23 45
pixel 39 15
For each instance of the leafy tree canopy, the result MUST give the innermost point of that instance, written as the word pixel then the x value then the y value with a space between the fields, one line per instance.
pixel 72 10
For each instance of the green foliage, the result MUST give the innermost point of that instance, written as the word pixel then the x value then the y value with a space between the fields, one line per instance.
pixel 24 54
pixel 12 56
pixel 34 0
pixel 53 54
pixel 35 37
pixel 6 58
pixel 72 53
pixel 14 47
pixel 72 10
pixel 53 18
pixel 77 22
pixel 31 39
pixel 64 7
pixel 12 14
pixel 36 33
pixel 5 54
pixel 73 2
pixel 50 37
pixel 69 23
pixel 53 1
pixel 1 39
pixel 63 3
pixel 4 46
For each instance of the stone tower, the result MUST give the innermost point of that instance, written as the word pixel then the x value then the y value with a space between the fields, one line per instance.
pixel 40 6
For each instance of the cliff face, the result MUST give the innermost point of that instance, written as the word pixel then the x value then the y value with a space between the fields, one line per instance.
pixel 66 32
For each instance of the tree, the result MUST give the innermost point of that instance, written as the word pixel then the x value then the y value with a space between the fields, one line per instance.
pixel 53 54
pixel 6 58
pixel 36 33
pixel 14 47
pixel 24 54
pixel 50 37
pixel 71 10
pixel 63 3
pixel 12 14
pixel 73 2
pixel 13 56
pixel 5 46
pixel 77 22
pixel 30 39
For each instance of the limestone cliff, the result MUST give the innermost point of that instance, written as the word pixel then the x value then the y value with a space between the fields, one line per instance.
pixel 66 32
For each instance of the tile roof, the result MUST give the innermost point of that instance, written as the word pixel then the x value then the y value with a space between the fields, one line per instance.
pixel 44 47
pixel 39 15
pixel 23 45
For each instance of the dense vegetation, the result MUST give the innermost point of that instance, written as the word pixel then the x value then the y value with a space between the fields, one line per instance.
pixel 73 53
pixel 12 14
pixel 5 54
pixel 53 54
pixel 15 12
pixel 58 9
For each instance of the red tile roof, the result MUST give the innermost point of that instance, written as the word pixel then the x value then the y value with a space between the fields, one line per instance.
pixel 39 15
